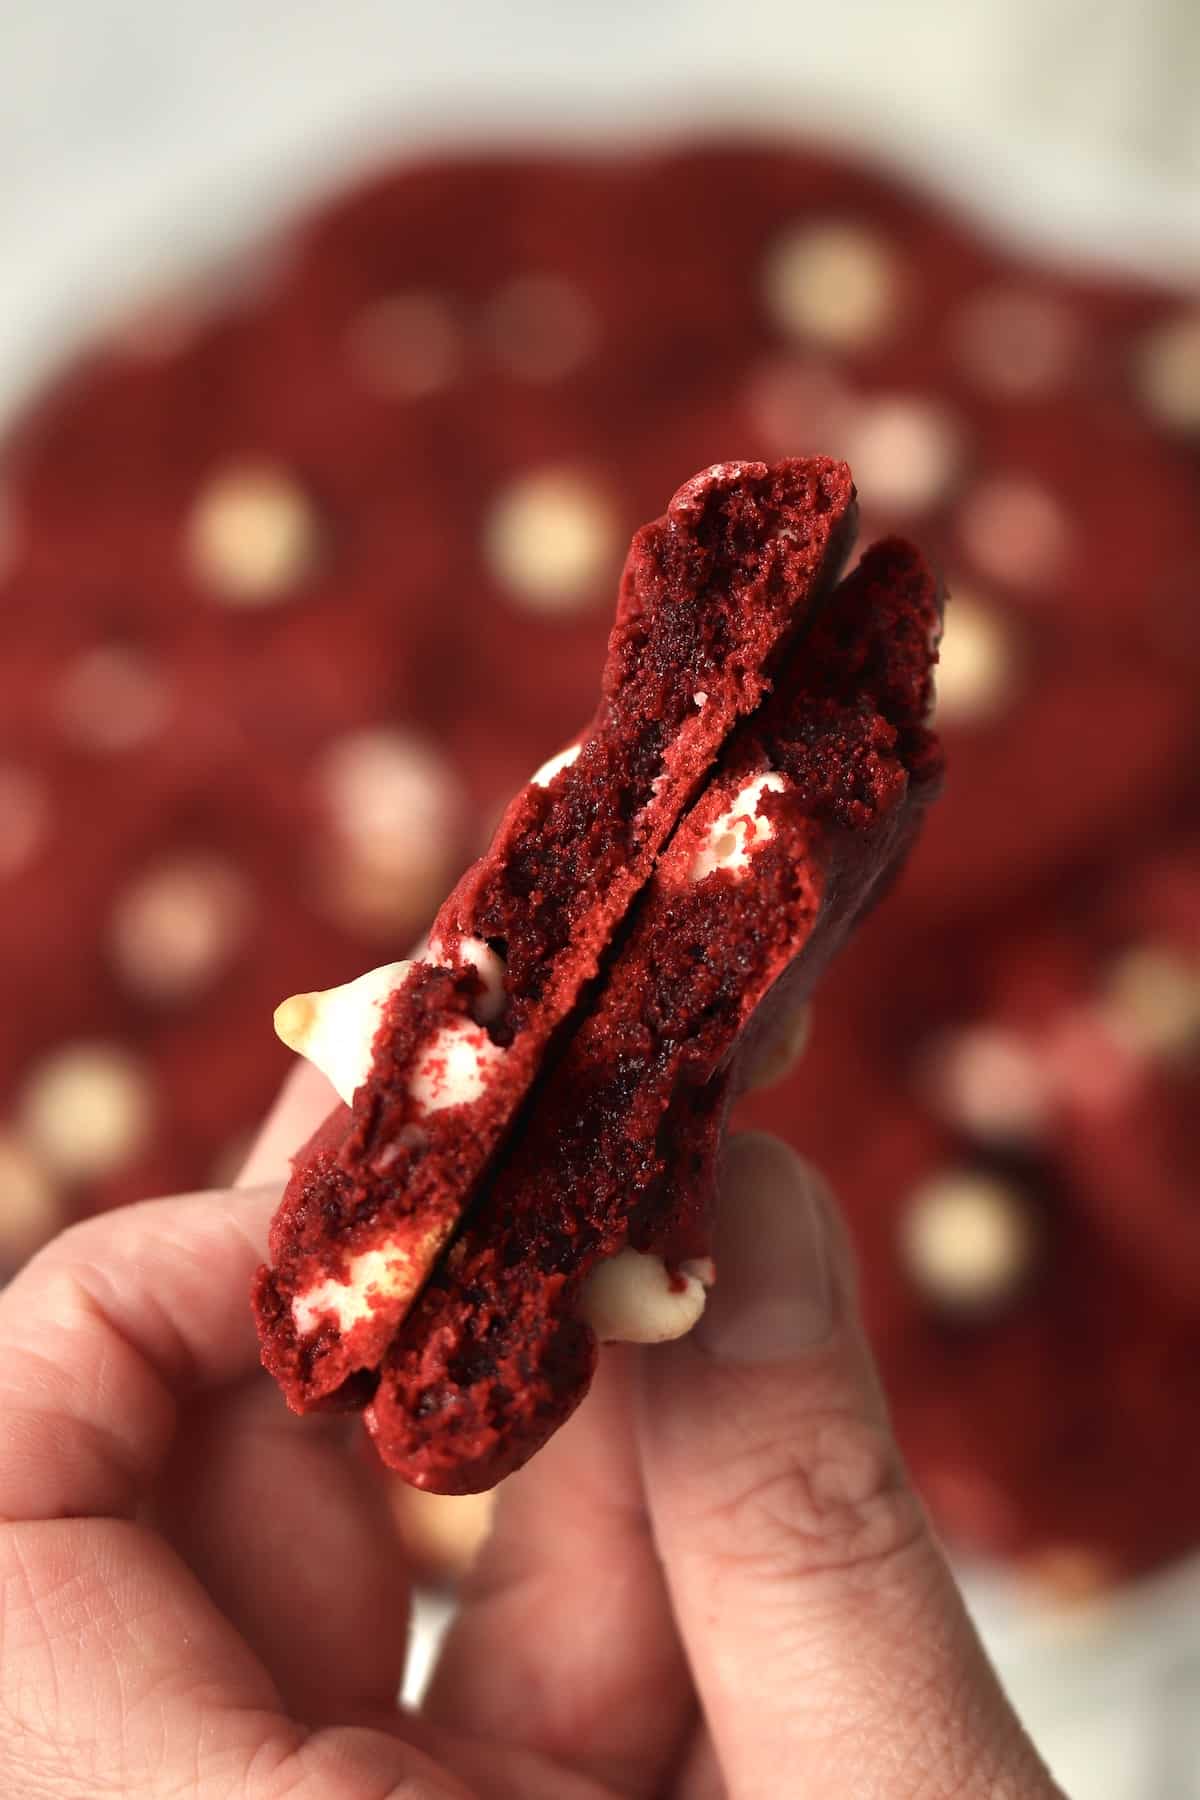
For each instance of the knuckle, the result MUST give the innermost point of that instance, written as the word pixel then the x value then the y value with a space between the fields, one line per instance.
pixel 73 1246
pixel 832 1497
pixel 339 1762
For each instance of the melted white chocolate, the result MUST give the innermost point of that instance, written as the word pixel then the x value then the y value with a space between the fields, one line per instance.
pixel 335 1027
pixel 733 838
pixel 392 1271
pixel 487 963
pixel 454 1066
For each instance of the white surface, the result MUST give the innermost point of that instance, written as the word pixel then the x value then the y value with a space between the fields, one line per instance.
pixel 1109 1691
pixel 136 139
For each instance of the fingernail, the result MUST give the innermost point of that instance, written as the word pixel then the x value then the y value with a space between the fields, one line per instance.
pixel 775 1286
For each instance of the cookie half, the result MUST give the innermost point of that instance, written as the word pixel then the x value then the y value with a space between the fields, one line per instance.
pixel 712 598
pixel 596 1223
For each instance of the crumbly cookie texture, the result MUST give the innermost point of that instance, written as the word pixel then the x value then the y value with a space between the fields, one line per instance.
pixel 712 598
pixel 595 1220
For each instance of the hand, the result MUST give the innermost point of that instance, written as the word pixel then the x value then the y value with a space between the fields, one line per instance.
pixel 714 1580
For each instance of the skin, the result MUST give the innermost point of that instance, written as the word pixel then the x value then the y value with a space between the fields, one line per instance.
pixel 715 1580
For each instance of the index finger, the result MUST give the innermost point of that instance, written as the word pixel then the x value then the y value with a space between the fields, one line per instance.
pixel 104 1331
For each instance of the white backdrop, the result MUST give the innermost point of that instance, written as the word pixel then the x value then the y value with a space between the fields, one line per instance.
pixel 136 133
pixel 139 135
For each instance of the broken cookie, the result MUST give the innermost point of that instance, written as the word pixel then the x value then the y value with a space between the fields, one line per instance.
pixel 595 1223
pixel 713 596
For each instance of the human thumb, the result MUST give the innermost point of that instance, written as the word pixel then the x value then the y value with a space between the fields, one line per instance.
pixel 830 1648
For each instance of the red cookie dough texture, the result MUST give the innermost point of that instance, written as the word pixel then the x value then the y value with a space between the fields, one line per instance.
pixel 423 347
pixel 607 1193
pixel 712 595
pixel 25 818
pixel 111 699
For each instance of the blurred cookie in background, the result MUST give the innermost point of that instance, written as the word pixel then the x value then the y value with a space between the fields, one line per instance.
pixel 265 549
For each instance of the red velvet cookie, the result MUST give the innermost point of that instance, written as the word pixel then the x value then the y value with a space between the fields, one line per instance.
pixel 597 1221
pixel 1084 1049
pixel 713 594
pixel 304 569
pixel 1028 1205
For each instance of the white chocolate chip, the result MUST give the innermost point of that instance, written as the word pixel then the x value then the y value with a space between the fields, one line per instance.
pixel 545 775
pixel 632 1299
pixel 410 1137
pixel 1015 342
pixel 700 699
pixel 905 453
pixel 835 283
pixel 992 1084
pixel 975 675
pixel 335 1028
pixel 454 1067
pixel 968 1239
pixel 174 929
pixel 487 963
pixel 87 1109
pixel 111 699
pixel 253 536
pixel 540 326
pixel 734 836
pixel 1168 371
pixel 404 346
pixel 24 819
pixel 552 541
pixel 1015 531
pixel 1151 1001
pixel 30 1209
pixel 386 792
pixel 396 809
pixel 391 1273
